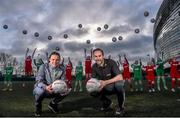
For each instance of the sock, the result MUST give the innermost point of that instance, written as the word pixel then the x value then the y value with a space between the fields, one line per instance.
pixel 76 83
pixel 80 84
pixel 158 82
pixel 178 82
pixel 152 84
pixel 164 82
pixel 173 83
pixel 140 84
pixel 136 86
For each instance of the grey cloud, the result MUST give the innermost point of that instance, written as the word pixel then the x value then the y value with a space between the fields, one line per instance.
pixel 75 32
pixel 62 16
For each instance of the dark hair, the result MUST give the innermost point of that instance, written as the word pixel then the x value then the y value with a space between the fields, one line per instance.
pixel 98 49
pixel 54 53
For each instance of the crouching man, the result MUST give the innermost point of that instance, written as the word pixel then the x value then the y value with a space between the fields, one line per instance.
pixel 107 71
pixel 47 74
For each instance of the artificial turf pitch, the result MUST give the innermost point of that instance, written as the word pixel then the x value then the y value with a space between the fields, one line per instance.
pixel 20 102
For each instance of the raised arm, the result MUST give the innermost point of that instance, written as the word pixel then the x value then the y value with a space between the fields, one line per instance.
pixel 33 53
pixel 126 59
pixel 140 62
pixel 120 59
pixel 27 50
pixel 70 62
pixel 85 53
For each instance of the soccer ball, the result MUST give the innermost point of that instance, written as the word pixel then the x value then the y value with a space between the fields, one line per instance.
pixel 24 32
pixel 80 25
pixel 146 13
pixel 65 36
pixel 88 41
pixel 136 30
pixel 36 34
pixel 5 26
pixel 153 20
pixel 106 26
pixel 98 28
pixel 93 85
pixel 49 37
pixel 120 38
pixel 114 39
pixel 59 86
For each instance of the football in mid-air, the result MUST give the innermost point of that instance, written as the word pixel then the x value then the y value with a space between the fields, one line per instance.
pixel 120 38
pixel 98 28
pixel 114 39
pixel 106 26
pixel 80 25
pixel 5 26
pixel 36 34
pixel 146 13
pixel 49 37
pixel 65 36
pixel 93 85
pixel 88 41
pixel 137 30
pixel 59 86
pixel 24 32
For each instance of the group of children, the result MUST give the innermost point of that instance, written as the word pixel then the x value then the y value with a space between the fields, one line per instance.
pixel 154 72
pixel 79 72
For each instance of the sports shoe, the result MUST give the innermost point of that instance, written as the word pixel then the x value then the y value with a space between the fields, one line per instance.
pixel 10 89
pixel 38 110
pixel 149 90
pixel 153 90
pixel 107 106
pixel 173 90
pixel 80 90
pixel 165 88
pixel 178 100
pixel 159 89
pixel 23 85
pixel 119 111
pixel 53 107
pixel 4 89
pixel 37 114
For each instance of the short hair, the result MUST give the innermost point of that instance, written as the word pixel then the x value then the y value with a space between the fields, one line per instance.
pixel 54 53
pixel 98 49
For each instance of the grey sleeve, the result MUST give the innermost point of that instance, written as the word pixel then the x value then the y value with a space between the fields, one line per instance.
pixel 62 77
pixel 40 77
pixel 41 73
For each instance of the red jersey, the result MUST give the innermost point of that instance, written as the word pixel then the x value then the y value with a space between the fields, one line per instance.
pixel 28 65
pixel 88 68
pixel 126 73
pixel 68 72
pixel 174 69
pixel 150 72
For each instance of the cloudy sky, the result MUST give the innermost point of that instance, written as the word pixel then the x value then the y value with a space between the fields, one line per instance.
pixel 58 17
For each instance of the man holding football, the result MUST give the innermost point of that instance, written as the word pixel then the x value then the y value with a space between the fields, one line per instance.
pixel 111 80
pixel 47 74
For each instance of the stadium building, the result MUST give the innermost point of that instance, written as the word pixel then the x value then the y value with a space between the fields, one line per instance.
pixel 167 30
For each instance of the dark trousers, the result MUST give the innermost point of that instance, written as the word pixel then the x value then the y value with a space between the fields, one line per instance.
pixel 40 94
pixel 114 88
